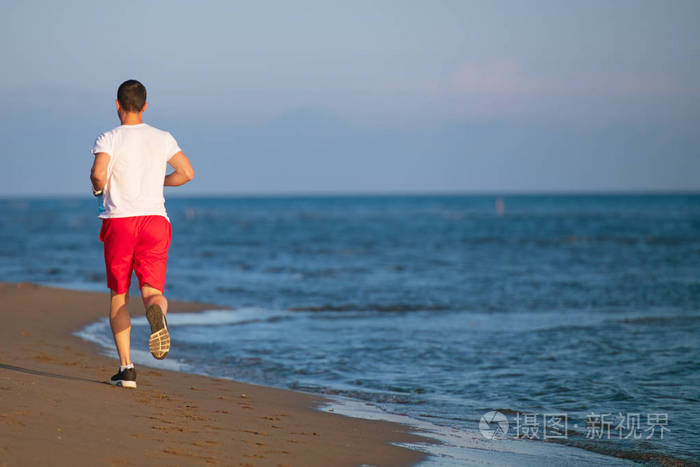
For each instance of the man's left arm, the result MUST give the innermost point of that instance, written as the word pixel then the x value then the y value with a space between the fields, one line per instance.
pixel 98 173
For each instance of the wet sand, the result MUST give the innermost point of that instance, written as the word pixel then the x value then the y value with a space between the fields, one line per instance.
pixel 57 408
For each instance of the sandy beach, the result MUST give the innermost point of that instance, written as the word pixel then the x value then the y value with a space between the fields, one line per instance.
pixel 56 407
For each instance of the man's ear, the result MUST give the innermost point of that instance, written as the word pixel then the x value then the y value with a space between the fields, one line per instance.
pixel 145 104
pixel 119 107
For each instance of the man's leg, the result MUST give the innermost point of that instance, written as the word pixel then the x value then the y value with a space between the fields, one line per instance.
pixel 120 321
pixel 153 296
pixel 150 265
pixel 119 239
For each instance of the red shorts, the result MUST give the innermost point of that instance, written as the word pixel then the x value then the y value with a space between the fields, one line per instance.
pixel 137 243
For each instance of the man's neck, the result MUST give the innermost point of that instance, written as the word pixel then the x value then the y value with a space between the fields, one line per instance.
pixel 131 118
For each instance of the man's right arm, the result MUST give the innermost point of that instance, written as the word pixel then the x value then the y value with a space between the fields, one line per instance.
pixel 98 173
pixel 183 170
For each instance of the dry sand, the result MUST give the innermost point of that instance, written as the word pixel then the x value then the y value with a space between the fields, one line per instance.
pixel 56 407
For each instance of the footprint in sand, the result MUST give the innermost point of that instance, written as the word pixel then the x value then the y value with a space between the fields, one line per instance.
pixel 254 432
pixel 169 429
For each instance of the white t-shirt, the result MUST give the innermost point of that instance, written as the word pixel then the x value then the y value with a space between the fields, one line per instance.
pixel 139 156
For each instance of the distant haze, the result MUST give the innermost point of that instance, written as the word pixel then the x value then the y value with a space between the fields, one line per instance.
pixel 362 96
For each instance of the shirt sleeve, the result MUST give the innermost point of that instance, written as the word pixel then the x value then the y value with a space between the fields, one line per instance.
pixel 103 143
pixel 171 147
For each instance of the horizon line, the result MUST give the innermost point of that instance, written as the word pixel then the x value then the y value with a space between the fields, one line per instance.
pixel 407 193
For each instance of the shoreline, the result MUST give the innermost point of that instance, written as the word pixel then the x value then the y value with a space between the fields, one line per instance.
pixel 213 421
pixel 57 407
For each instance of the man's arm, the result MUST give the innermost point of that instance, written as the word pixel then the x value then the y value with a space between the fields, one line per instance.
pixel 183 170
pixel 98 173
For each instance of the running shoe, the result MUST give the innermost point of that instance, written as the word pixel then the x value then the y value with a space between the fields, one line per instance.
pixel 125 379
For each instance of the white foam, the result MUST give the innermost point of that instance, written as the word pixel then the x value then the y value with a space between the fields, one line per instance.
pixel 464 447
pixel 217 317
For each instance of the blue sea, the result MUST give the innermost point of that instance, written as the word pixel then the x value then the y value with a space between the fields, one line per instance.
pixel 435 308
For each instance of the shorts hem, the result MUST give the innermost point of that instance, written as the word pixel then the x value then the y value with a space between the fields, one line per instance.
pixel 119 291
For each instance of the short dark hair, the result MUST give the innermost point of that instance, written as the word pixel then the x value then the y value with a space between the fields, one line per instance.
pixel 131 95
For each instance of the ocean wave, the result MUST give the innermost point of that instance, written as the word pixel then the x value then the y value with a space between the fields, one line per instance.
pixel 581 240
pixel 386 307
pixel 219 317
pixel 656 320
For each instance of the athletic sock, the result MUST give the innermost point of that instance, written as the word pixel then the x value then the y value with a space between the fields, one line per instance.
pixel 126 367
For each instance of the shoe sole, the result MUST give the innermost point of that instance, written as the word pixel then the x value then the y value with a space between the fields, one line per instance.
pixel 124 384
pixel 159 342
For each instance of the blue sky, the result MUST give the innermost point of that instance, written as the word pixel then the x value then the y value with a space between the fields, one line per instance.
pixel 304 97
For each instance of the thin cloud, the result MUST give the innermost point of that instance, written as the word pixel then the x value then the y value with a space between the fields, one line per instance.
pixel 504 89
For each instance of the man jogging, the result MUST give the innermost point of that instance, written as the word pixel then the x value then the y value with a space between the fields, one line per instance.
pixel 128 174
